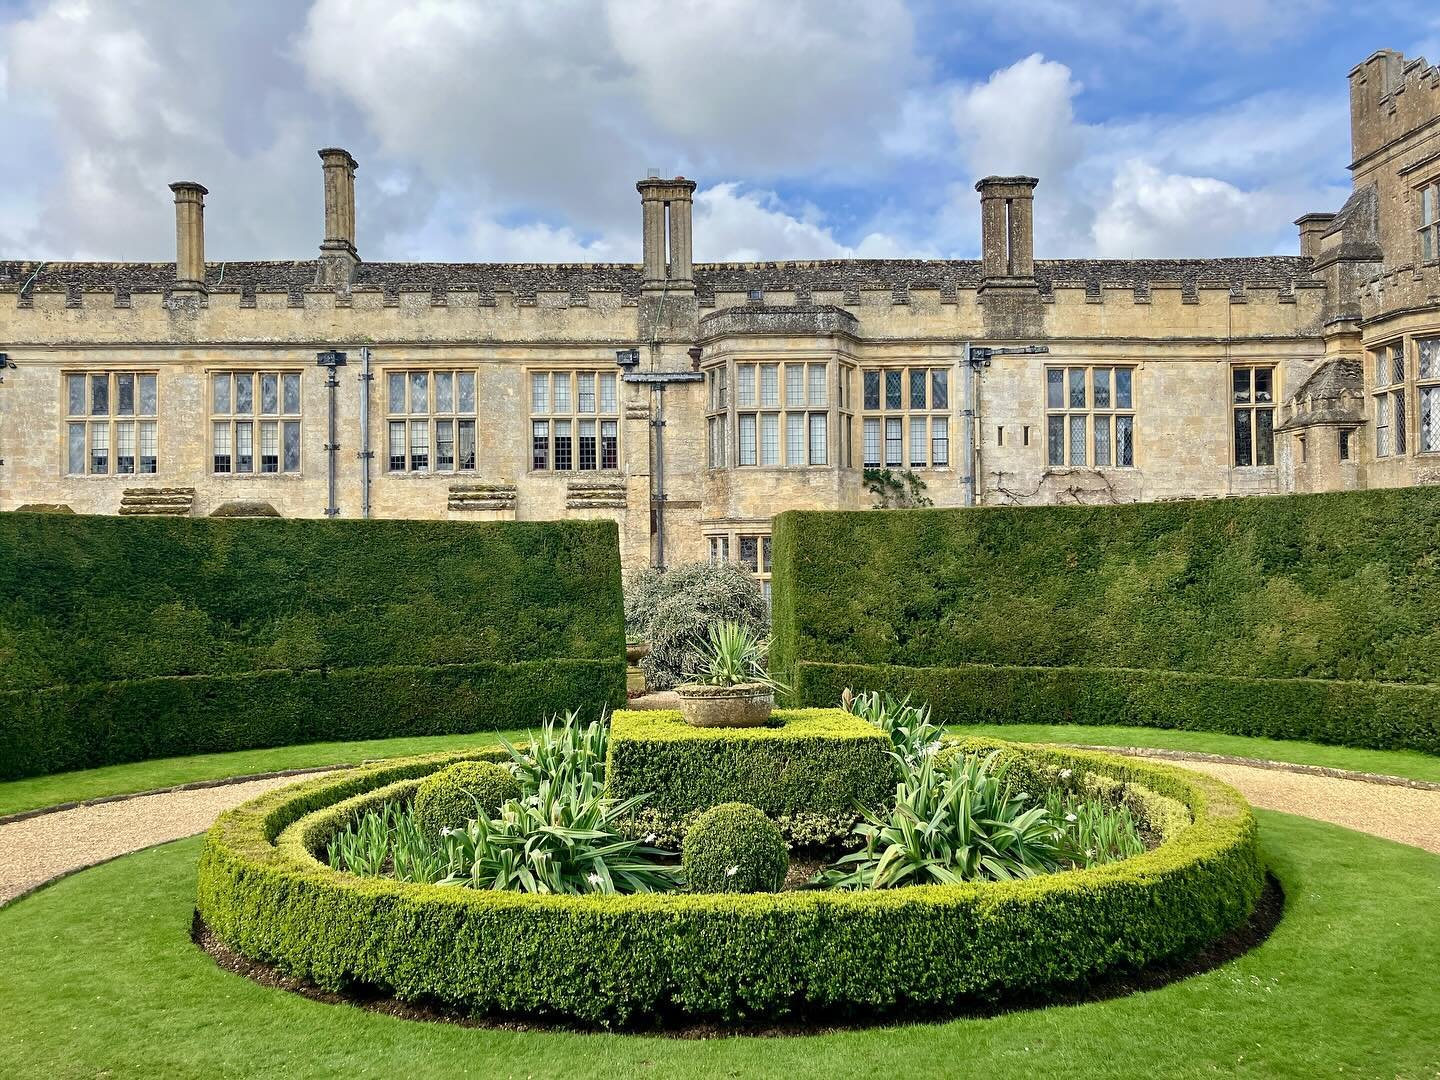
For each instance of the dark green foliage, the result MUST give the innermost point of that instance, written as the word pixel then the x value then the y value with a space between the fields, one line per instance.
pixel 122 639
pixel 453 796
pixel 672 609
pixel 815 760
pixel 734 848
pixel 1381 716
pixel 263 892
pixel 1290 617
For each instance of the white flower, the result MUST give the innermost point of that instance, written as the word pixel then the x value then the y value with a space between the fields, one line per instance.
pixel 1065 774
pixel 732 871
pixel 650 838
pixel 446 830
pixel 1090 853
pixel 1071 817
pixel 593 878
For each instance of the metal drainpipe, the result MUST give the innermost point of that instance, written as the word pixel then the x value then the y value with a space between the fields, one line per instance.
pixel 331 361
pixel 657 424
pixel 967 411
pixel 365 454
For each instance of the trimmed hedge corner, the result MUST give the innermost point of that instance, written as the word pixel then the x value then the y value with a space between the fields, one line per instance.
pixel 263 892
pixel 1307 616
pixel 125 639
pixel 812 761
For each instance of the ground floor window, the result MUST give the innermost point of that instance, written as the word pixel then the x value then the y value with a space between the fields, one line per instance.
pixel 110 426
pixel 1253 415
pixel 751 550
pixel 1090 418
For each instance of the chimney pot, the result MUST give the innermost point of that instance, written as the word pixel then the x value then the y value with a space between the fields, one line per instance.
pixel 1312 227
pixel 665 207
pixel 1007 227
pixel 189 236
pixel 338 257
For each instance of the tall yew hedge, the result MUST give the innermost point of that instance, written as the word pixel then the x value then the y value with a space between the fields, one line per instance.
pixel 1306 616
pixel 122 639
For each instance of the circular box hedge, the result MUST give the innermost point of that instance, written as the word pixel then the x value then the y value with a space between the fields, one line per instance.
pixel 648 957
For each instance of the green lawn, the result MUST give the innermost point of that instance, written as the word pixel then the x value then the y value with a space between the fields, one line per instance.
pixel 19 795
pixel 38 791
pixel 100 979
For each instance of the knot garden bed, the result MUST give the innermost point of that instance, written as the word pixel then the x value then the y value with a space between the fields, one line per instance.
pixel 265 893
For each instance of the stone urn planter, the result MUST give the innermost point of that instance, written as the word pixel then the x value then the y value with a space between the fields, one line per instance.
pixel 741 705
pixel 635 651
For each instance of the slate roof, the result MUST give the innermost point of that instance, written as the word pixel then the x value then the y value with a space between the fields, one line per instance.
pixel 1272 271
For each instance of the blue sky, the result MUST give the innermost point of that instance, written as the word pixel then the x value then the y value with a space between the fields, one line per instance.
pixel 515 131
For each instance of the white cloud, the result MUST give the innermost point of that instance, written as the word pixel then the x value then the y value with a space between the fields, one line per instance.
pixel 1021 120
pixel 735 225
pixel 1154 214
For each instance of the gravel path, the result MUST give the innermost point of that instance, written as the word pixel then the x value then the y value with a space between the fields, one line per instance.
pixel 40 849
pixel 1409 815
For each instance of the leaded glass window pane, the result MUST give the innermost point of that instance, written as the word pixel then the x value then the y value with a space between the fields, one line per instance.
pixel 75 395
pixel 1429 351
pixel 1077 440
pixel 125 447
pixel 817 384
pixel 99 395
pixel 245 394
pixel 917 442
pixel 1124 378
pixel 444 392
pixel 940 441
pixel 245 448
pixel 1102 388
pixel 1055 388
pixel 100 448
pixel 539 391
pixel 1102 437
pixel 148 459
pixel 419 399
pixel 745 384
pixel 561 388
pixel 292 446
pixel 917 388
pixel 770 439
pixel 444 444
pixel 147 395
pixel 467 391
pixel 1055 440
pixel 819 439
pixel 1125 441
pixel 1264 385
pixel 1240 384
pixel 1243 448
pixel 939 388
pixel 125 395
pixel 397 443
pixel 1077 388
pixel 872 389
pixel 397 392
pixel 1397 363
pixel 794 386
pixel 1429 419
pixel 894 435
pixel 76 463
pixel 1397 431
pixel 770 384
pixel 872 440
pixel 892 389
pixel 269 395
pixel 608 401
pixel 794 438
pixel 292 394
pixel 747 439
pixel 585 392
pixel 1264 436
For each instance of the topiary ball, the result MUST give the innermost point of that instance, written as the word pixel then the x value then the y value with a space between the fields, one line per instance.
pixel 733 848
pixel 451 798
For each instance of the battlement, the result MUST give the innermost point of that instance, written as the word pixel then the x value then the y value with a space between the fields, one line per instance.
pixel 1391 98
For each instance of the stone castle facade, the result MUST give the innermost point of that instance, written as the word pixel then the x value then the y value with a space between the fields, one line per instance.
pixel 692 402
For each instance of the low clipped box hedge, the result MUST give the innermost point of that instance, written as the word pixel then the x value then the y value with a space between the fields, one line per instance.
pixel 653 957
pixel 1305 616
pixel 123 639
pixel 814 761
